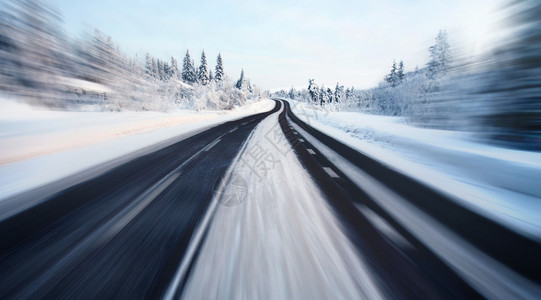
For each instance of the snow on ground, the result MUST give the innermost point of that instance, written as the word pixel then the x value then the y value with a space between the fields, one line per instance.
pixel 83 85
pixel 40 146
pixel 502 184
pixel 270 239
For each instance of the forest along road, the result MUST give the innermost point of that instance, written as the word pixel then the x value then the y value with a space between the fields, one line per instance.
pixel 265 207
pixel 121 234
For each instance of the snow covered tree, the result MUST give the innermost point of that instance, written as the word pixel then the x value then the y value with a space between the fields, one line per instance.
pixel 330 95
pixel 203 74
pixel 350 93
pixel 249 87
pixel 440 56
pixel 338 92
pixel 392 77
pixel 400 72
pixel 174 73
pixel 291 93
pixel 148 65
pixel 155 73
pixel 323 97
pixel 160 74
pixel 188 70
pixel 166 71
pixel 313 90
pixel 241 82
pixel 219 68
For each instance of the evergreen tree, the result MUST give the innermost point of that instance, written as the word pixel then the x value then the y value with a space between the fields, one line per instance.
pixel 392 78
pixel 241 82
pixel 174 68
pixel 203 75
pixel 350 92
pixel 338 92
pixel 291 93
pixel 211 76
pixel 188 69
pixel 400 73
pixel 160 70
pixel 440 56
pixel 313 90
pixel 323 98
pixel 219 68
pixel 148 64
pixel 154 68
pixel 330 95
pixel 166 71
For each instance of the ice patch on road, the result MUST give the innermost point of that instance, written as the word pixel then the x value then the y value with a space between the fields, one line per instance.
pixel 281 242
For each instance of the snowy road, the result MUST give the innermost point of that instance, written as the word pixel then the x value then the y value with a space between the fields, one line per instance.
pixel 264 207
pixel 282 241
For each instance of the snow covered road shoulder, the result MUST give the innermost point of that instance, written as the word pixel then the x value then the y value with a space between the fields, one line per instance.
pixel 273 236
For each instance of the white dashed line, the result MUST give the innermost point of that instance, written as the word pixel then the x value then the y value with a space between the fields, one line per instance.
pixel 311 151
pixel 127 218
pixel 209 146
pixel 331 172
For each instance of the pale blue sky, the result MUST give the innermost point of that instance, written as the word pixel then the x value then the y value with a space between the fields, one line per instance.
pixel 283 43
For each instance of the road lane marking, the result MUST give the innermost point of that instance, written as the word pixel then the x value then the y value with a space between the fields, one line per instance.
pixel 230 131
pixel 331 172
pixel 301 140
pixel 311 151
pixel 142 205
pixel 209 146
pixel 384 227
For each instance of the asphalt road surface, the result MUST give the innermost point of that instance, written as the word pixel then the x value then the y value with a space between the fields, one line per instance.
pixel 129 233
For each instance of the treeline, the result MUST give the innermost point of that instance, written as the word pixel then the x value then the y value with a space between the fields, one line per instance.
pixel 40 64
pixel 392 96
pixel 495 96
